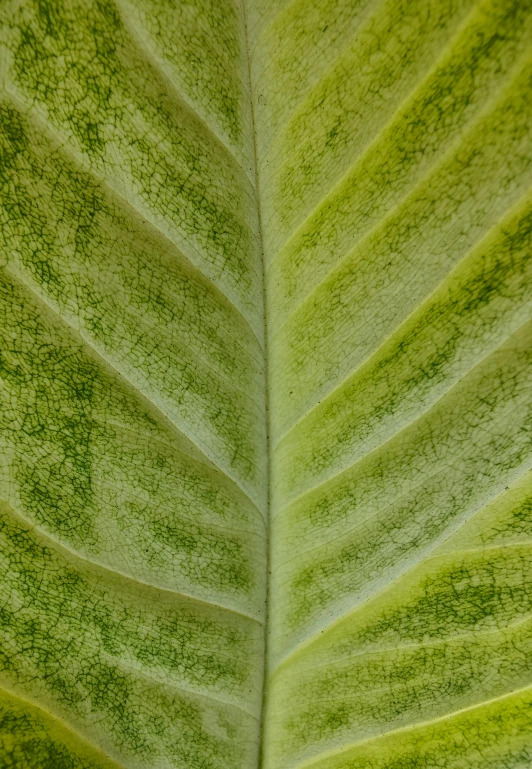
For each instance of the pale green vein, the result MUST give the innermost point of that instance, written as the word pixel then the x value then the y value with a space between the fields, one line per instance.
pixel 423 557
pixel 441 56
pixel 203 461
pixel 420 415
pixel 413 727
pixel 101 358
pixel 376 651
pixel 270 23
pixel 371 7
pixel 362 523
pixel 137 671
pixel 129 577
pixel 151 57
pixel 441 540
pixel 400 203
pixel 437 162
pixel 74 156
pixel 198 354
pixel 66 726
pixel 308 94
pixel 322 402
pixel 216 526
pixel 398 686
pixel 484 548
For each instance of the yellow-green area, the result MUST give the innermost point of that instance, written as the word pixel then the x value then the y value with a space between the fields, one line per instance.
pixel 265 384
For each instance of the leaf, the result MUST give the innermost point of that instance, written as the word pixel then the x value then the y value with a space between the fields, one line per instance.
pixel 265 369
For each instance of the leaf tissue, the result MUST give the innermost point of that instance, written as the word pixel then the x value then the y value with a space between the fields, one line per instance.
pixel 265 384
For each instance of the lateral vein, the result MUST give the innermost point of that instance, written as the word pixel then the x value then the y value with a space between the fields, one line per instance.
pixel 106 569
pixel 102 359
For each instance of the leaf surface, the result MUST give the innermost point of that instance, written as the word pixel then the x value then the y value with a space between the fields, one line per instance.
pixel 265 371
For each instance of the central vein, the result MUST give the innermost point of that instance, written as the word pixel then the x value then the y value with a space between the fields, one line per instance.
pixel 256 179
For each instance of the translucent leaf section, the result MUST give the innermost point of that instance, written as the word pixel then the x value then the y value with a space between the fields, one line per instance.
pixel 133 428
pixel 395 168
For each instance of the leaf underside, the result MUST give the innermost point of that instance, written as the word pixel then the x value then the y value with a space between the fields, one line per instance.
pixel 265 376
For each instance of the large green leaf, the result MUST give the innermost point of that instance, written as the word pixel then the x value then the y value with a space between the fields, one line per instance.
pixel 265 381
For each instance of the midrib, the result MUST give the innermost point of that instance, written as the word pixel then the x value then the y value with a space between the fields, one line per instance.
pixel 268 469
